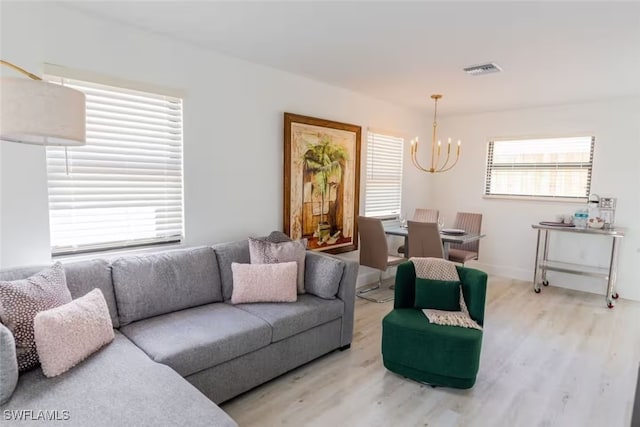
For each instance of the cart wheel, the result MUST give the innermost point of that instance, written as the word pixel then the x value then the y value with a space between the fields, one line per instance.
pixel 545 283
pixel 615 296
pixel 537 290
pixel 610 305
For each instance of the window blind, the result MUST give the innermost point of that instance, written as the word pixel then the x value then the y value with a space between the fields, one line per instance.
pixel 547 167
pixel 384 175
pixel 124 187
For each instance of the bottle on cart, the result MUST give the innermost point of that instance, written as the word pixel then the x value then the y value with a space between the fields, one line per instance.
pixel 580 218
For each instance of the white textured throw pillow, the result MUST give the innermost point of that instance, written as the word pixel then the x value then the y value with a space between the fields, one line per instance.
pixel 68 334
pixel 264 282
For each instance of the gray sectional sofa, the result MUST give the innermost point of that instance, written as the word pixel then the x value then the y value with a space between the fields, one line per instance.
pixel 180 346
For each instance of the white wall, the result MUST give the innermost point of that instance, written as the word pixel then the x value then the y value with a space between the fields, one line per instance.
pixel 233 145
pixel 233 121
pixel 509 247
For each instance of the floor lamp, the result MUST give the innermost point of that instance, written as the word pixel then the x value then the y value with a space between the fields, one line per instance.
pixel 33 111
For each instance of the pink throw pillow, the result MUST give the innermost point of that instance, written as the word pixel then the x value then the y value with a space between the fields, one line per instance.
pixel 68 334
pixel 264 282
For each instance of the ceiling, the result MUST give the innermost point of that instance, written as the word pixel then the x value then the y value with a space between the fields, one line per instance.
pixel 551 53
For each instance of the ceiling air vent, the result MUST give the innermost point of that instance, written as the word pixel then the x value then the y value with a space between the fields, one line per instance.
pixel 478 70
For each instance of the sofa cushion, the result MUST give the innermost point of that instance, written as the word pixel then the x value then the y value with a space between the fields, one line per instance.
pixel 291 319
pixel 85 276
pixel 228 253
pixel 21 300
pixel 198 338
pixel 8 364
pixel 322 275
pixel 118 385
pixel 68 334
pixel 169 281
pixel 82 277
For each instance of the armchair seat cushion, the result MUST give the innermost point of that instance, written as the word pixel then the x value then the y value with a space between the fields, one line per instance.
pixel 439 355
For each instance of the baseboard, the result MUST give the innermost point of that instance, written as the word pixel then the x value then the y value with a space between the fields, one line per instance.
pixel 503 270
pixel 561 280
pixel 635 416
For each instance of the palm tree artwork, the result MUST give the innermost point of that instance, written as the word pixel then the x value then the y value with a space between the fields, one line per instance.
pixel 324 165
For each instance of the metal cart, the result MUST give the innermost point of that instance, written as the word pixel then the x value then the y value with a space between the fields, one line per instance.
pixel 544 264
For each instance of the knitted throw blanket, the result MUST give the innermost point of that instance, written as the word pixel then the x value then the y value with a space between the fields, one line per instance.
pixel 440 269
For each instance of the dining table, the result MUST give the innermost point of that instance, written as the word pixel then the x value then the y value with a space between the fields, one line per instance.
pixel 395 229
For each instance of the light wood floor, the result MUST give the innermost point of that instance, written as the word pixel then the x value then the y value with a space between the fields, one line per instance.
pixel 560 358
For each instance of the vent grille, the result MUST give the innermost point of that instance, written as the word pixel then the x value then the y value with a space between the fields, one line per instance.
pixel 478 70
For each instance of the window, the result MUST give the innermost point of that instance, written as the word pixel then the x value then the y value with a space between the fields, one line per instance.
pixel 545 167
pixel 384 175
pixel 124 187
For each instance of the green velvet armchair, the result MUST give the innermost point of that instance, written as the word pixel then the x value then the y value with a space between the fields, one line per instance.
pixel 438 355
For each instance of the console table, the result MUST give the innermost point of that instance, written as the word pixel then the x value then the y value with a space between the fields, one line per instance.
pixel 544 264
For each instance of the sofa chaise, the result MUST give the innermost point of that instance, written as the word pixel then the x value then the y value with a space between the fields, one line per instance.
pixel 180 346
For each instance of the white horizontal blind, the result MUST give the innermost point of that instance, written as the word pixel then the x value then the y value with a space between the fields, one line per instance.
pixel 384 175
pixel 548 167
pixel 124 187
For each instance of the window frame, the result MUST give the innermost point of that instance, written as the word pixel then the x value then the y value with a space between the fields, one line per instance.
pixel 489 165
pixel 59 75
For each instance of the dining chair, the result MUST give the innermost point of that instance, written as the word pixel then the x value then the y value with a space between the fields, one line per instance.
pixel 422 215
pixel 374 253
pixel 426 215
pixel 463 252
pixel 424 240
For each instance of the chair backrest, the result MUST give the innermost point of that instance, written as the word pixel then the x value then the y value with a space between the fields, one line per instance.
pixel 374 251
pixel 424 240
pixel 471 223
pixel 426 215
pixel 474 288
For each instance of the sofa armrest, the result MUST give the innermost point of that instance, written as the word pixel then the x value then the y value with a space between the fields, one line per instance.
pixel 346 287
pixel 347 293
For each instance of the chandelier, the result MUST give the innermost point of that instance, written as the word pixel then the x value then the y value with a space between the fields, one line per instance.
pixel 436 148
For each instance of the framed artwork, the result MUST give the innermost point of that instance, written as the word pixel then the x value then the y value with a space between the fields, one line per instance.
pixel 321 182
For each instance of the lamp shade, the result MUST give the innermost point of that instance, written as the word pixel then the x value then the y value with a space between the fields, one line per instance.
pixel 42 113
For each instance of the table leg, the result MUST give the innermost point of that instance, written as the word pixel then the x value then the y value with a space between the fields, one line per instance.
pixel 536 287
pixel 545 257
pixel 406 246
pixel 445 246
pixel 613 272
